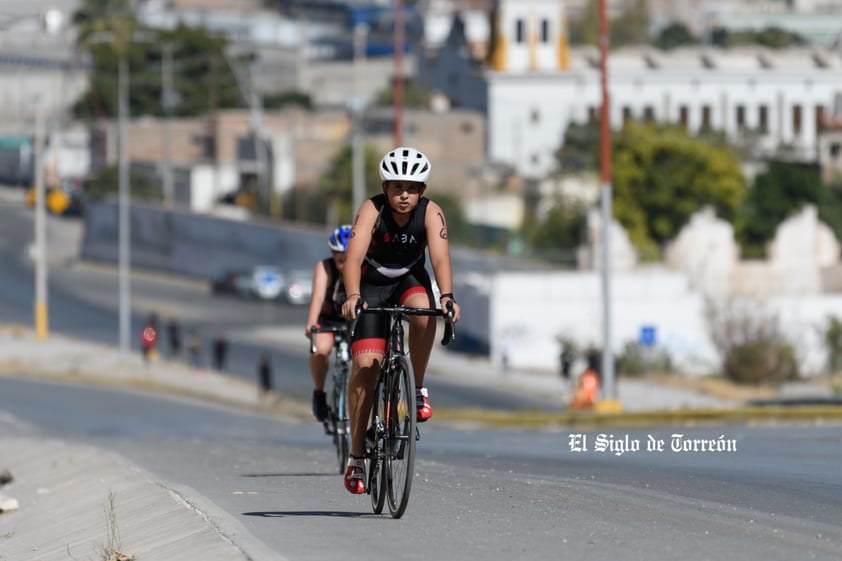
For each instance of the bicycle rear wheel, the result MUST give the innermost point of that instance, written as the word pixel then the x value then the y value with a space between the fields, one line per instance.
pixel 376 464
pixel 400 436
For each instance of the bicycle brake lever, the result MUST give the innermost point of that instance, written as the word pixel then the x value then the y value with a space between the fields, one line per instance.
pixel 353 324
pixel 449 332
pixel 313 329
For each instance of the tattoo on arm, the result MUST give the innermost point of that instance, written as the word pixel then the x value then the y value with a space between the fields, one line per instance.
pixel 443 231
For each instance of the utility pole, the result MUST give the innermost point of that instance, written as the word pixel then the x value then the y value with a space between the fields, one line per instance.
pixel 606 195
pixel 357 106
pixel 167 103
pixel 41 313
pixel 398 90
pixel 261 185
pixel 123 203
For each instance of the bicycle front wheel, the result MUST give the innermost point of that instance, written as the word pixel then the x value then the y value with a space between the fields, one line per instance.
pixel 375 444
pixel 400 436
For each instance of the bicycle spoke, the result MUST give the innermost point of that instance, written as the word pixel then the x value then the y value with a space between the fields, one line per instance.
pixel 376 465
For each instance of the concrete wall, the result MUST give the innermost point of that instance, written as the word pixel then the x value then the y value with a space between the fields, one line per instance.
pixel 198 245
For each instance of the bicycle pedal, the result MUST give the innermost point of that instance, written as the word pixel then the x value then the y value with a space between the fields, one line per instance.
pixel 417 434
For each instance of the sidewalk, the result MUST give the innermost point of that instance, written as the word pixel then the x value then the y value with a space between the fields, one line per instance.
pixel 79 502
pixel 635 394
pixel 67 500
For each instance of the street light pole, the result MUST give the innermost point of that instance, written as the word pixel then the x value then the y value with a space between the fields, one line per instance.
pixel 41 314
pixel 357 144
pixel 124 259
pixel 167 103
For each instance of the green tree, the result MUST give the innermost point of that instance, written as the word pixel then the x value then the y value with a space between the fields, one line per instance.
pixel 580 149
pixel 675 35
pixel 286 99
pixel 661 176
pixel 202 78
pixel 830 207
pixel 631 27
pixel 337 182
pixel 779 191
pixel 772 37
pixel 415 94
pixel 556 235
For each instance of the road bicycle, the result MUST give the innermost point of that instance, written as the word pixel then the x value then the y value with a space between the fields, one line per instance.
pixel 337 424
pixel 392 434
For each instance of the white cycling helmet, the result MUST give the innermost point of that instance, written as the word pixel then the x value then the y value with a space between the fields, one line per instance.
pixel 405 164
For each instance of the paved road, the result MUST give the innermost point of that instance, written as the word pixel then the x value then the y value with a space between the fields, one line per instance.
pixel 269 485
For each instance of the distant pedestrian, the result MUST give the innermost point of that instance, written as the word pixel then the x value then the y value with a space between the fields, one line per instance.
pixel 174 337
pixel 194 348
pixel 149 338
pixel 220 352
pixel 264 374
pixel 506 351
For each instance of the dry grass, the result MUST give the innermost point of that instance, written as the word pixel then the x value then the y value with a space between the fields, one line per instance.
pixel 719 388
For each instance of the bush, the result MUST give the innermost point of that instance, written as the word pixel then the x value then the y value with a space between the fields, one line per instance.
pixel 762 361
pixel 750 342
pixel 637 360
pixel 833 343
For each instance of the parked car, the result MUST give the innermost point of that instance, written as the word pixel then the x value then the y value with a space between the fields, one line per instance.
pixel 231 281
pixel 298 287
pixel 265 282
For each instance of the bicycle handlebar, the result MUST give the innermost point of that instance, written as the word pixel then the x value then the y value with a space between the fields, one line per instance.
pixel 449 331
pixel 326 329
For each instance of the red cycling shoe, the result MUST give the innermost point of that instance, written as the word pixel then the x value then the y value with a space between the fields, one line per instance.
pixel 422 403
pixel 355 475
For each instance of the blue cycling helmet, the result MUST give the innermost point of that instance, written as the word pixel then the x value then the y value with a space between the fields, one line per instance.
pixel 338 240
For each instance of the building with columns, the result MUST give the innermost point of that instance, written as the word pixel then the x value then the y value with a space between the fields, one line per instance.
pixel 534 86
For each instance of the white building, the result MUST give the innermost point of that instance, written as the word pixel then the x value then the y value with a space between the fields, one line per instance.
pixel 535 86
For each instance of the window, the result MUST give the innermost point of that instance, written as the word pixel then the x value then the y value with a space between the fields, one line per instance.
pixel 545 31
pixel 706 120
pixel 835 150
pixel 763 118
pixel 519 34
pixel 741 117
pixel 683 115
pixel 796 120
pixel 649 114
pixel 819 117
pixel 593 114
pixel 627 114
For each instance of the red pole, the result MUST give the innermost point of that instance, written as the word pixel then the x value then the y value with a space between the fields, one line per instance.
pixel 398 92
pixel 605 126
pixel 606 211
